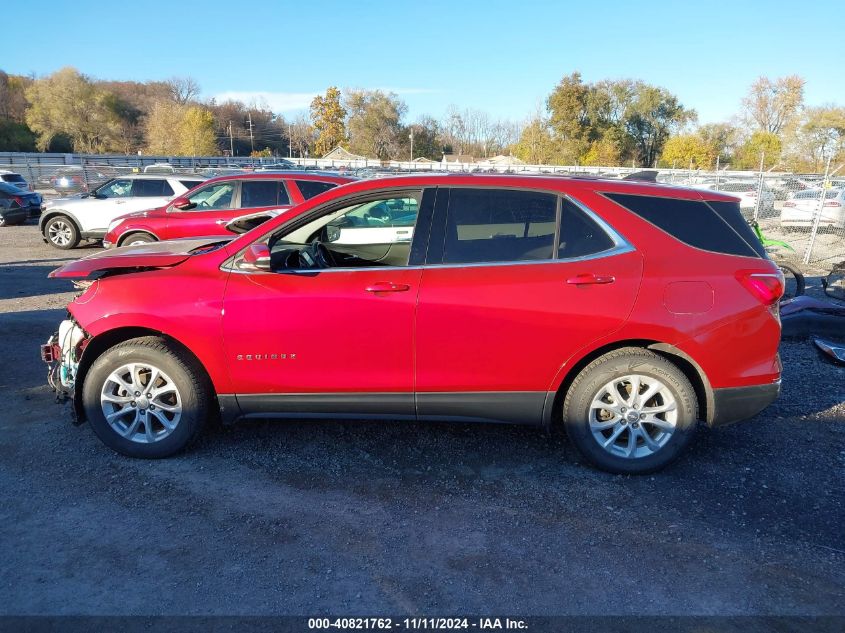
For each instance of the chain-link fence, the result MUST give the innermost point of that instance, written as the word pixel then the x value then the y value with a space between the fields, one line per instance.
pixel 801 217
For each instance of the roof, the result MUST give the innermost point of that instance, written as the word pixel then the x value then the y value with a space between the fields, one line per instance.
pixel 458 158
pixel 540 182
pixel 501 159
pixel 339 153
pixel 286 174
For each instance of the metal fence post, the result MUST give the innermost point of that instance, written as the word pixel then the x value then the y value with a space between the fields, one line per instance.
pixel 759 188
pixel 818 215
pixel 717 172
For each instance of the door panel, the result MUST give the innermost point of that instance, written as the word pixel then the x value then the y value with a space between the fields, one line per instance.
pixel 323 332
pixel 511 327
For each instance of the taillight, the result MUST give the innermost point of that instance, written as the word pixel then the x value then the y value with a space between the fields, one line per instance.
pixel 767 287
pixel 18 199
pixel 832 203
pixel 789 203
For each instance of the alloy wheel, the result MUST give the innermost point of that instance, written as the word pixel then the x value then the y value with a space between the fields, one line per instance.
pixel 141 403
pixel 633 416
pixel 60 233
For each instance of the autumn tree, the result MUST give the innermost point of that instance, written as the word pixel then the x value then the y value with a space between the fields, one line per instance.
pixel 820 136
pixel 328 116
pixel 374 125
pixel 535 145
pixel 684 150
pixel 765 145
pixel 773 106
pixel 67 102
pixel 302 136
pixel 183 89
pixel 196 132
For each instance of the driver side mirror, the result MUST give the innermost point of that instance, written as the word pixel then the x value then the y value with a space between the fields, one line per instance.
pixel 183 204
pixel 255 258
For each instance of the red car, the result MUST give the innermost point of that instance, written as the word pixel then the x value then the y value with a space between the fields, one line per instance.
pixel 627 311
pixel 207 208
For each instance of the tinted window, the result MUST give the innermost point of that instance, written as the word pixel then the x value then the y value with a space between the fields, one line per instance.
pixel 580 235
pixel 189 184
pixel 690 221
pixel 311 188
pixel 259 193
pixel 13 178
pixel 216 196
pixel 731 213
pixel 121 188
pixel 497 225
pixel 153 187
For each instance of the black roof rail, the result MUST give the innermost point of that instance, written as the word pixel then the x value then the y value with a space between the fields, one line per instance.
pixel 646 175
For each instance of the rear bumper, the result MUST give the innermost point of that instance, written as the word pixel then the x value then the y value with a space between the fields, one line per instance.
pixel 733 404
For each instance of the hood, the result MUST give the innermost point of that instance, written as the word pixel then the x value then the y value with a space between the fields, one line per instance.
pixel 141 257
pixel 155 212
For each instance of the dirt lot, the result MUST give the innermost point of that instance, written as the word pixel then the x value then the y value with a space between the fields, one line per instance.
pixel 399 518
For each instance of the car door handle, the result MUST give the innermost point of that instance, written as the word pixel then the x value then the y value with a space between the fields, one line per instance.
pixel 221 221
pixel 590 278
pixel 387 286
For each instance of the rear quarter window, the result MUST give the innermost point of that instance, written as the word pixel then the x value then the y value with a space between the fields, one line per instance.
pixel 718 229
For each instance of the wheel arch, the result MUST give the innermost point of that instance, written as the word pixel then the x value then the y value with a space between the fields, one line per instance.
pixel 123 237
pixel 108 339
pixel 553 407
pixel 49 215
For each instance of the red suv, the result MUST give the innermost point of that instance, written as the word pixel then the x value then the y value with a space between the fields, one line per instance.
pixel 207 208
pixel 627 311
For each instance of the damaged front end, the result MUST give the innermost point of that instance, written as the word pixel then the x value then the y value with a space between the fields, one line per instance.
pixel 62 354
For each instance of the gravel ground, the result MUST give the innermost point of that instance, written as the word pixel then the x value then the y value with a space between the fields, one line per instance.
pixel 425 519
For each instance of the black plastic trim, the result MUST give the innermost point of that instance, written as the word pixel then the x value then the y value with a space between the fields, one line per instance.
pixel 512 407
pixel 733 404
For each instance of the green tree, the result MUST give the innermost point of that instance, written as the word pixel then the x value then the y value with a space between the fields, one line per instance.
pixel 67 102
pixel 16 137
pixel 328 116
pixel 651 117
pixel 374 125
pixel 427 143
pixel 179 130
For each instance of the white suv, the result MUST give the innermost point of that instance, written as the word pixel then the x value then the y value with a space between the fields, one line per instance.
pixel 65 221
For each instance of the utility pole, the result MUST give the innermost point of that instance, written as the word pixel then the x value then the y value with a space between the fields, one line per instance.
pixel 251 138
pixel 231 141
pixel 290 143
pixel 412 145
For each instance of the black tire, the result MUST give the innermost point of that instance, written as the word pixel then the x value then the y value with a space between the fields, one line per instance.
pixel 194 392
pixel 61 225
pixel 795 284
pixel 589 384
pixel 138 237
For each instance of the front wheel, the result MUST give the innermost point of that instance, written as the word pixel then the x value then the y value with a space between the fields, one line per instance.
pixel 144 398
pixel 61 232
pixel 630 411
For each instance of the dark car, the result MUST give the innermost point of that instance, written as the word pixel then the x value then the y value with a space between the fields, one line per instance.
pixel 16 205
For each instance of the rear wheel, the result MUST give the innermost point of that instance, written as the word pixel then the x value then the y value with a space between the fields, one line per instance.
pixel 61 232
pixel 145 399
pixel 630 411
pixel 137 238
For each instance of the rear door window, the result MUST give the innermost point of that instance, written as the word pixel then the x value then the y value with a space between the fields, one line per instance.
pixel 259 193
pixel 152 187
pixel 694 222
pixel 580 235
pixel 311 188
pixel 499 225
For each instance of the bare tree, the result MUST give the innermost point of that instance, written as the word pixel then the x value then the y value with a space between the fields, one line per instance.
pixel 774 106
pixel 183 89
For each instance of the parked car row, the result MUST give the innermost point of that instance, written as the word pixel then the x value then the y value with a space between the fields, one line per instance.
pixel 17 205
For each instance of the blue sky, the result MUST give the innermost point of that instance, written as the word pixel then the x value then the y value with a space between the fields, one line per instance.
pixel 502 57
